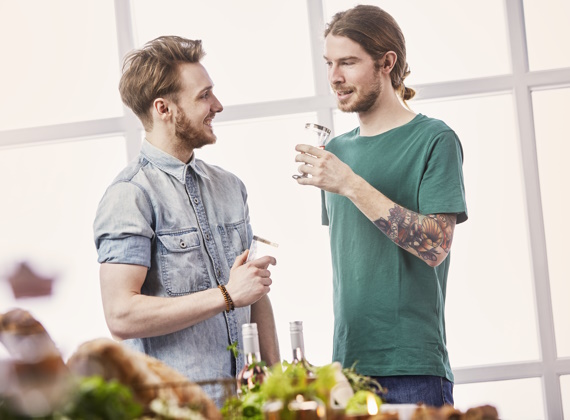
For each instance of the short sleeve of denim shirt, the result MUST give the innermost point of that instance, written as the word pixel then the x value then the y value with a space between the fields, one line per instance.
pixel 123 225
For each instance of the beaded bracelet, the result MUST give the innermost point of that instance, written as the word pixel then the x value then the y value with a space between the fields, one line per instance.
pixel 229 302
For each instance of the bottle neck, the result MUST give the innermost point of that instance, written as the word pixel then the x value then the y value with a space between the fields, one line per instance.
pixel 298 354
pixel 297 345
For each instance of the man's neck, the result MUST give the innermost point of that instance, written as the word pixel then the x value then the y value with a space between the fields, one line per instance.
pixel 171 145
pixel 386 115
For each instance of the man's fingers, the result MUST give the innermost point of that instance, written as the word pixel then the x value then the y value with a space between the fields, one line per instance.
pixel 306 159
pixel 240 259
pixel 264 262
pixel 311 150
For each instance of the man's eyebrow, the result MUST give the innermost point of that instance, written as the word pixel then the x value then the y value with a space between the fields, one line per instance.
pixel 350 57
pixel 204 90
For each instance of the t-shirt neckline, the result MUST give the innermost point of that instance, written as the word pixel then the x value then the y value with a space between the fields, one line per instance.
pixel 412 121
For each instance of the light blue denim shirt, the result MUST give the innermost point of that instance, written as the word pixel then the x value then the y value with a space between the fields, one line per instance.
pixel 186 223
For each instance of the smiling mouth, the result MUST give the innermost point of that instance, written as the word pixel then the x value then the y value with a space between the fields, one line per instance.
pixel 343 94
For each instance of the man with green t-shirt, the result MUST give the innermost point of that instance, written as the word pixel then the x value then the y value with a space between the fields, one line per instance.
pixel 392 195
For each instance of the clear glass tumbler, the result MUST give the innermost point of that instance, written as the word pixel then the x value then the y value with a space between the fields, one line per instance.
pixel 319 135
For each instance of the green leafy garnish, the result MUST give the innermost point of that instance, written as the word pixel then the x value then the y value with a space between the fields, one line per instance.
pixel 358 403
pixel 360 382
pixel 283 383
pixel 96 399
pixel 233 348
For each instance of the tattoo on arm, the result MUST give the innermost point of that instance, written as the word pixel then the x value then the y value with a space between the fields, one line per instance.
pixel 426 235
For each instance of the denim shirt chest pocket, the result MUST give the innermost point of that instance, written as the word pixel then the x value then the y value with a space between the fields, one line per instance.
pixel 234 240
pixel 182 266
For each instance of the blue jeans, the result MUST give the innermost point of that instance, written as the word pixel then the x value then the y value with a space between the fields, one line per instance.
pixel 430 390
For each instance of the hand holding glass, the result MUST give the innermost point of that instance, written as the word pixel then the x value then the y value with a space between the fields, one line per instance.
pixel 260 248
pixel 320 135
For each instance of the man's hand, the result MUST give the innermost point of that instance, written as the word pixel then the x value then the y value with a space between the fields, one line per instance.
pixel 326 171
pixel 249 281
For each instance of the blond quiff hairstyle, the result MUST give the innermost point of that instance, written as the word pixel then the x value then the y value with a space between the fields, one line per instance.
pixel 152 72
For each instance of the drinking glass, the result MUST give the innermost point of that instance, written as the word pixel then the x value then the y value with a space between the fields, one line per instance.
pixel 319 135
pixel 260 248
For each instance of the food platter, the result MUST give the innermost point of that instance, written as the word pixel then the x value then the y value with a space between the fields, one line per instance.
pixel 108 380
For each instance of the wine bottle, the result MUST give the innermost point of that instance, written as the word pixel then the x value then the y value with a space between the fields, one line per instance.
pixel 298 348
pixel 254 371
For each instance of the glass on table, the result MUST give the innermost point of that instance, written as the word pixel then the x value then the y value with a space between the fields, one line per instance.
pixel 316 135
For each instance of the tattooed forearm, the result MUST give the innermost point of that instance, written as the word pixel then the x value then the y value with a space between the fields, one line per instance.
pixel 428 235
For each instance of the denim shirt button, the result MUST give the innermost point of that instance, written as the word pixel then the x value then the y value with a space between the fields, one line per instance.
pixel 182 244
pixel 196 200
pixel 207 236
pixel 218 272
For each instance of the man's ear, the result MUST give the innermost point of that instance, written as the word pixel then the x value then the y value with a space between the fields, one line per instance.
pixel 161 107
pixel 389 62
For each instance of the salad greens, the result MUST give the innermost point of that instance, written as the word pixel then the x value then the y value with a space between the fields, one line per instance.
pixel 284 382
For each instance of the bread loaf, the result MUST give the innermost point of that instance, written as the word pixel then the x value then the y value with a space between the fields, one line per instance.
pixel 148 378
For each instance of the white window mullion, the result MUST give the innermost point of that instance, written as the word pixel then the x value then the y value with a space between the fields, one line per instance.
pixel 502 372
pixel 525 119
pixel 275 108
pixel 469 87
pixel 126 43
pixel 548 79
pixel 61 132
pixel 316 16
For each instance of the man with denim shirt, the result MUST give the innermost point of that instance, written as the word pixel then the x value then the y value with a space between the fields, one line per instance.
pixel 172 232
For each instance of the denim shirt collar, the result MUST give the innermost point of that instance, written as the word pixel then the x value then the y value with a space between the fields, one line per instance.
pixel 168 163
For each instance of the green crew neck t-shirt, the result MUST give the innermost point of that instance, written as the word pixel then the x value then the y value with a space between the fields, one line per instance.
pixel 388 304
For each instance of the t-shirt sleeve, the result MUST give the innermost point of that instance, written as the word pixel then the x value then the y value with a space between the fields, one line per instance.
pixel 442 188
pixel 123 226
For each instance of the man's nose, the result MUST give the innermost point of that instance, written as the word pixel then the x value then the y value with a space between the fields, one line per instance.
pixel 217 105
pixel 335 75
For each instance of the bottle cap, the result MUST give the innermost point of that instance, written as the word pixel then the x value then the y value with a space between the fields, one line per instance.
pixel 296 326
pixel 249 329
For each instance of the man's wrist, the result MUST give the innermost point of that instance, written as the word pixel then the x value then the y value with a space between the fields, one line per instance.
pixel 351 188
pixel 227 298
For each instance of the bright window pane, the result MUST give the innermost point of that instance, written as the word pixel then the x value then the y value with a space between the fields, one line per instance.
pixel 565 390
pixel 261 152
pixel 553 148
pixel 444 38
pixel 47 216
pixel 519 399
pixel 490 293
pixel 547 33
pixel 60 62
pixel 255 52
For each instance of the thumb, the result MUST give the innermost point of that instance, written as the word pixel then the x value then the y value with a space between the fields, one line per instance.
pixel 240 259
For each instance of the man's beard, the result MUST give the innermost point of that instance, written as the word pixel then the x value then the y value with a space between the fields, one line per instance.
pixel 365 100
pixel 189 134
